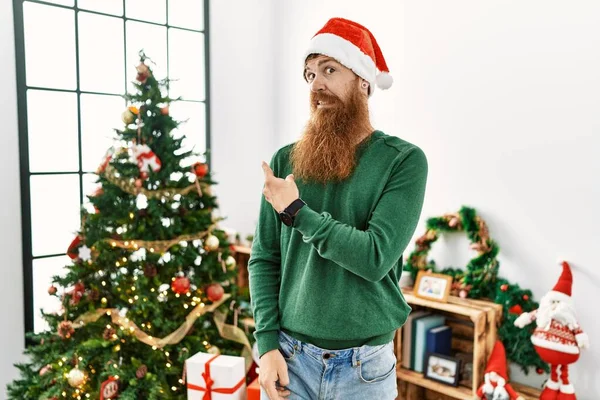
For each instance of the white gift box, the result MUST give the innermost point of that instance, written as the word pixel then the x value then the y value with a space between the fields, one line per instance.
pixel 225 372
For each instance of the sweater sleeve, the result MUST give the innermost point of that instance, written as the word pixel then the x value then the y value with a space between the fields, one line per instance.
pixel 371 253
pixel 264 267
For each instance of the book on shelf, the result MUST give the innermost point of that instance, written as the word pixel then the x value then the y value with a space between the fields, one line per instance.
pixel 407 338
pixel 439 340
pixel 422 325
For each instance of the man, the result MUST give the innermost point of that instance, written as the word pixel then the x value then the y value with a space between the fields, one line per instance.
pixel 340 206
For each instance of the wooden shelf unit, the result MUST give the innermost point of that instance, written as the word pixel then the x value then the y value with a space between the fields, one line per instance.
pixel 484 316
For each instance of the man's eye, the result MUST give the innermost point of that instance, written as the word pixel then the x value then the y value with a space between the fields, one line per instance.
pixel 330 70
pixel 310 76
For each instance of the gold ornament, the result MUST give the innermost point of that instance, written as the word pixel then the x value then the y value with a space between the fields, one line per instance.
pixel 127 117
pixel 214 350
pixel 211 243
pixel 230 262
pixel 76 377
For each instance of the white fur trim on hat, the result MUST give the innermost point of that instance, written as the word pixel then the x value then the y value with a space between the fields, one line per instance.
pixel 567 389
pixel 558 296
pixel 346 53
pixel 550 384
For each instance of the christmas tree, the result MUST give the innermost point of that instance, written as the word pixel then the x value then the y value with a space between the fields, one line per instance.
pixel 152 280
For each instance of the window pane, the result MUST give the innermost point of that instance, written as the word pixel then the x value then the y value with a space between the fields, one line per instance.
pixel 153 40
pixel 114 7
pixel 147 10
pixel 55 217
pixel 49 46
pixel 187 14
pixel 186 64
pixel 100 114
pixel 101 53
pixel 194 129
pixel 43 271
pixel 52 124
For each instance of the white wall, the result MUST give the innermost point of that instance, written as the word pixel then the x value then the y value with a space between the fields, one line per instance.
pixel 503 98
pixel 11 285
pixel 243 101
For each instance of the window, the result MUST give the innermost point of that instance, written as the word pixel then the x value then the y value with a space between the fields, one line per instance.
pixel 75 58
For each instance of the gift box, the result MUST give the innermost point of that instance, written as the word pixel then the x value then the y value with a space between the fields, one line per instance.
pixel 215 377
pixel 254 390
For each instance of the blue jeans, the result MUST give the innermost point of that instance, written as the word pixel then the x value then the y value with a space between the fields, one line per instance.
pixel 367 372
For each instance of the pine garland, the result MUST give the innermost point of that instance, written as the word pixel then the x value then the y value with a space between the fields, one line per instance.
pixel 479 280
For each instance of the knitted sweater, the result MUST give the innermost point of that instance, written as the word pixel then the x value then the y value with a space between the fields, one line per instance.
pixel 332 279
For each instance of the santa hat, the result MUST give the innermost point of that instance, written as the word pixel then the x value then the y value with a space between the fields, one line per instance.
pixel 355 47
pixel 497 361
pixel 562 289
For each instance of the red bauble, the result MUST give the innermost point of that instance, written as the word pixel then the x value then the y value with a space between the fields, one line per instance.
pixel 214 292
pixel 181 285
pixel 52 290
pixel 138 183
pixel 504 287
pixel 539 371
pixel 144 175
pixel 525 297
pixel 200 169
pixel 516 309
pixel 164 110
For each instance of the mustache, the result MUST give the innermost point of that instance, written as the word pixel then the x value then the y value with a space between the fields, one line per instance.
pixel 325 97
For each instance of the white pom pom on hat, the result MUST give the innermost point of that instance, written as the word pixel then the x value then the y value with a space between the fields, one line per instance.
pixel 355 47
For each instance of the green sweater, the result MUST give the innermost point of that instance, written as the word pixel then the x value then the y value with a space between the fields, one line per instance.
pixel 332 278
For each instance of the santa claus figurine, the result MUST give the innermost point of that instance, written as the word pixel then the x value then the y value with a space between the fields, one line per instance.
pixel 557 337
pixel 496 386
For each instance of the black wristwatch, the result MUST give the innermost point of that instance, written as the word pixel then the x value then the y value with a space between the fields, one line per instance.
pixel 288 215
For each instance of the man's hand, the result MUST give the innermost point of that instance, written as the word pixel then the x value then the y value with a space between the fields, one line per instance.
pixel 272 369
pixel 279 192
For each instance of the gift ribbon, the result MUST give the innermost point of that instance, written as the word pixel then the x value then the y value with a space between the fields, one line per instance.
pixel 209 383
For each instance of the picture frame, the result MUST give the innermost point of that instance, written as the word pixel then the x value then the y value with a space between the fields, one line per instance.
pixel 432 286
pixel 442 368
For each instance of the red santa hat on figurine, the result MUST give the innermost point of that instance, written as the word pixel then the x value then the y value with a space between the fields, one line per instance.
pixel 496 384
pixel 355 47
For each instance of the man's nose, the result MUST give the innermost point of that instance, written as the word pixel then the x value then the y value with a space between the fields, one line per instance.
pixel 317 84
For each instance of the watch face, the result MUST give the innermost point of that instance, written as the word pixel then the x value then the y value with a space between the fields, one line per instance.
pixel 286 218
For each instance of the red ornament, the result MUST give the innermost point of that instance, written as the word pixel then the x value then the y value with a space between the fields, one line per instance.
pixel 539 371
pixel 138 183
pixel 504 287
pixel 525 297
pixel 72 250
pixel 52 290
pixel 109 388
pixel 144 175
pixel 77 293
pixel 164 110
pixel 516 309
pixel 181 285
pixel 214 292
pixel 200 169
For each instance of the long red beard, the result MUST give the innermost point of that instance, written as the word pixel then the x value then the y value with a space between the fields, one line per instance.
pixel 327 150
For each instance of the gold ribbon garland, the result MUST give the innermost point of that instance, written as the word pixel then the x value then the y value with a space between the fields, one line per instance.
pixel 129 186
pixel 173 338
pixel 235 334
pixel 158 245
